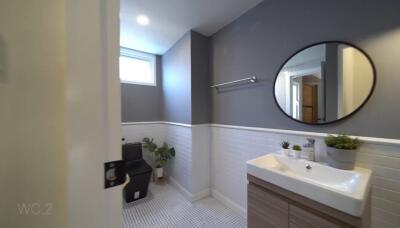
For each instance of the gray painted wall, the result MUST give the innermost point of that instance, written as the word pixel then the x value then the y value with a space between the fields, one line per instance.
pixel 331 81
pixel 201 80
pixel 183 91
pixel 263 38
pixel 176 82
pixel 140 102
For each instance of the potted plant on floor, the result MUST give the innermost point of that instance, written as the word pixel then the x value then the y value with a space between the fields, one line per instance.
pixel 341 151
pixel 296 151
pixel 162 155
pixel 285 148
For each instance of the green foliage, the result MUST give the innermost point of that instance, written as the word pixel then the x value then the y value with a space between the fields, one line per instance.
pixel 285 145
pixel 296 147
pixel 162 154
pixel 149 144
pixel 343 142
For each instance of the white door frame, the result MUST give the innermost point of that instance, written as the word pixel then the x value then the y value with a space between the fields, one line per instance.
pixel 93 110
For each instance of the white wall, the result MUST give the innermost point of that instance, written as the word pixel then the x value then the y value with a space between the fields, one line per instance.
pixel 180 168
pixel 232 146
pixel 355 79
pixel 32 117
pixel 190 169
pixel 201 157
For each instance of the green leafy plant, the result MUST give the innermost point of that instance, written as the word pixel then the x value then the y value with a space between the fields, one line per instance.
pixel 296 147
pixel 342 142
pixel 285 145
pixel 162 154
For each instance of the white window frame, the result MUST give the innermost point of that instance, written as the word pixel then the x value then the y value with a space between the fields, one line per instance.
pixel 127 52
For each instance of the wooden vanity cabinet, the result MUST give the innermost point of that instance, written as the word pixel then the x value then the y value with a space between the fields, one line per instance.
pixel 271 206
pixel 267 210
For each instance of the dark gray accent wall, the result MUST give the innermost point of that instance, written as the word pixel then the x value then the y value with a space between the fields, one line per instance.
pixel 183 91
pixel 176 71
pixel 331 81
pixel 141 102
pixel 201 80
pixel 263 38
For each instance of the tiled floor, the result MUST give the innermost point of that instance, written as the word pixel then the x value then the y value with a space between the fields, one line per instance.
pixel 165 207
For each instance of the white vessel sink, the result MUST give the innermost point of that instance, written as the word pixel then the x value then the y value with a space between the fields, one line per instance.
pixel 344 190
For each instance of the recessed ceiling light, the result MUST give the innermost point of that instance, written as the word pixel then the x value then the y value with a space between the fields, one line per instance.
pixel 142 20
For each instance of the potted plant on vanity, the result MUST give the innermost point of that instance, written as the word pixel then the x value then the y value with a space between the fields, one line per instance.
pixel 162 155
pixel 285 148
pixel 341 151
pixel 296 151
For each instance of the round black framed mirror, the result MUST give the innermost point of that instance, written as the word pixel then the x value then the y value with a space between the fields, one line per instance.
pixel 324 82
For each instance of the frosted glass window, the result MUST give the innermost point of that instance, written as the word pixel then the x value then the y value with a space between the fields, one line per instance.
pixel 136 67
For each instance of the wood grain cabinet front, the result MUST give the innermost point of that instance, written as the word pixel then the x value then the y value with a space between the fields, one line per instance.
pixel 301 218
pixel 265 209
pixel 269 206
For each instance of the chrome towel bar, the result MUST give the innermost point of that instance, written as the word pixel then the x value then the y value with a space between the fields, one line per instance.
pixel 247 80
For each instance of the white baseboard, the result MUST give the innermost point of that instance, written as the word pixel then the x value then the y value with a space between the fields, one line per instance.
pixel 201 195
pixel 229 203
pixel 191 197
pixel 182 189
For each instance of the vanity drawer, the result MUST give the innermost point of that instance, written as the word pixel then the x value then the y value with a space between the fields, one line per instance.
pixel 266 209
pixel 300 218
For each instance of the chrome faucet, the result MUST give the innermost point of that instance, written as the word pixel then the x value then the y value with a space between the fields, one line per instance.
pixel 309 149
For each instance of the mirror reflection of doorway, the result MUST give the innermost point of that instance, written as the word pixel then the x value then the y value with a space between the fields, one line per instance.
pixel 304 97
pixel 311 91
pixel 310 103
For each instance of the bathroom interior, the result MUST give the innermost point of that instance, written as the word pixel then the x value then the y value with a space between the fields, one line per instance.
pixel 199 113
pixel 252 96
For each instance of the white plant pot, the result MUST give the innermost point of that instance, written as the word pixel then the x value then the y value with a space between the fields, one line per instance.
pixel 341 159
pixel 285 152
pixel 296 154
pixel 159 172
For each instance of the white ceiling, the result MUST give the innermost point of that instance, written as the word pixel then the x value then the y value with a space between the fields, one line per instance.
pixel 171 19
